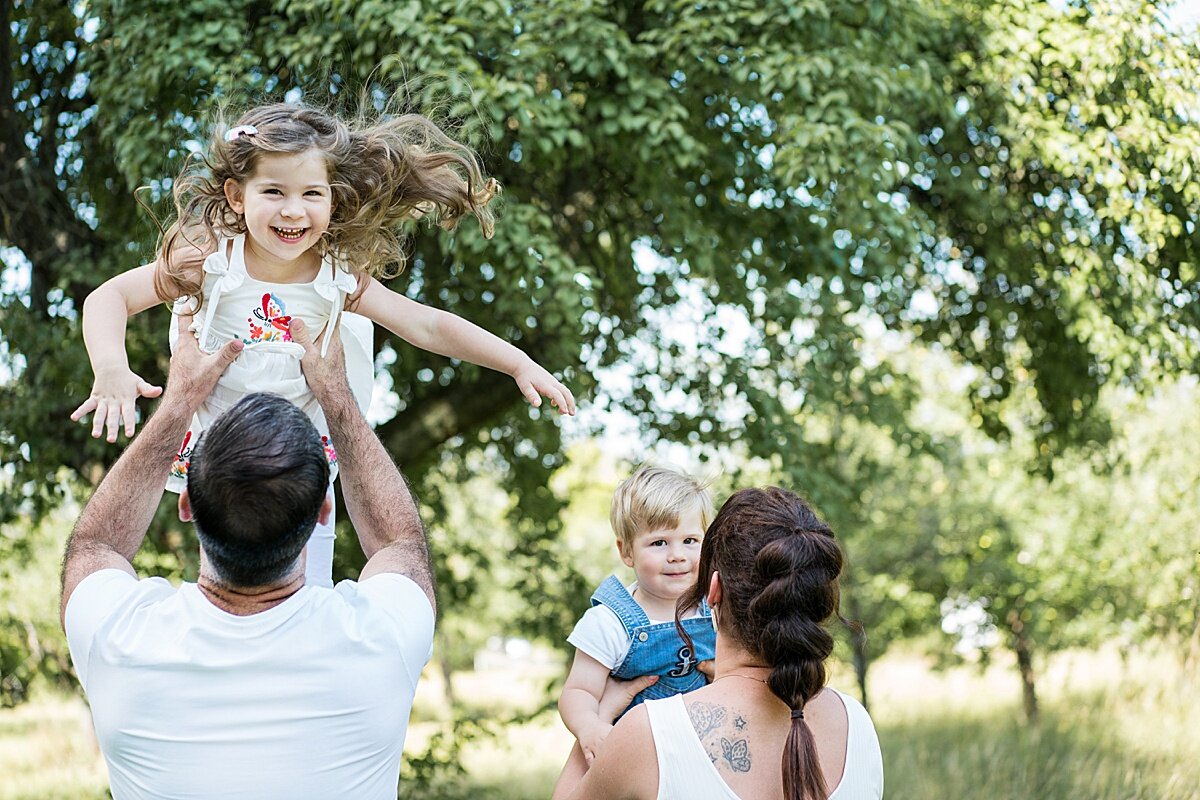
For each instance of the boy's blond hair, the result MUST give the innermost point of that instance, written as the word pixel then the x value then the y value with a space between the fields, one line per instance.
pixel 654 498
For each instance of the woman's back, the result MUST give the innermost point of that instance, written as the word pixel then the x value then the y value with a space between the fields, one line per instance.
pixel 726 742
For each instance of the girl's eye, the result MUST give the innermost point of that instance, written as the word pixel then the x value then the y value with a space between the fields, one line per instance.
pixel 272 191
pixel 314 193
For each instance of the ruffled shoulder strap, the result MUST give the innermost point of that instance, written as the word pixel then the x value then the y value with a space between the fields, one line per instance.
pixel 333 283
pixel 230 271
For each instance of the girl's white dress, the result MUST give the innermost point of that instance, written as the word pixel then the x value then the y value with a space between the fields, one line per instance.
pixel 237 306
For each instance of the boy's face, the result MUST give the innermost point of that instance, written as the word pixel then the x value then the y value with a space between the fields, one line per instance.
pixel 666 561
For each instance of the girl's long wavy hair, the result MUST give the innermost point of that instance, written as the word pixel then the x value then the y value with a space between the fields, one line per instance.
pixel 381 174
pixel 779 567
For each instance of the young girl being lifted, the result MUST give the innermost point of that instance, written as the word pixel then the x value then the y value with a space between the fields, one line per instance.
pixel 295 214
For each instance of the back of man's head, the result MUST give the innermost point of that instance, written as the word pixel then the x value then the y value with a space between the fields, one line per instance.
pixel 256 483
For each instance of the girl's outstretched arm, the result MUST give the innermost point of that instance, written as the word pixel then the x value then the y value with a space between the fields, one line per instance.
pixel 450 335
pixel 116 387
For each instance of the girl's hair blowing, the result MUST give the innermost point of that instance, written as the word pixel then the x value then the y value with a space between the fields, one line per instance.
pixel 380 174
pixel 779 567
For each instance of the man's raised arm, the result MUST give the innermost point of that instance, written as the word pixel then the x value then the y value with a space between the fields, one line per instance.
pixel 377 496
pixel 115 520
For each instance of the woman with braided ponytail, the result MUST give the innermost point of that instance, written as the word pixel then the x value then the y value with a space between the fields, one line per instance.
pixel 769 569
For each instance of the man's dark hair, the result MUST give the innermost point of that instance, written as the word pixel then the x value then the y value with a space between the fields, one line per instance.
pixel 256 483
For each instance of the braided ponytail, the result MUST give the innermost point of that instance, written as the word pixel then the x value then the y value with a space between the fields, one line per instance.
pixel 779 565
pixel 798 575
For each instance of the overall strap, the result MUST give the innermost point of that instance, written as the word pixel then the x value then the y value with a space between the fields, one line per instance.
pixel 613 595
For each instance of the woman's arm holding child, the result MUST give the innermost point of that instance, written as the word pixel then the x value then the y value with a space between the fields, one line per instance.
pixel 450 335
pixel 579 704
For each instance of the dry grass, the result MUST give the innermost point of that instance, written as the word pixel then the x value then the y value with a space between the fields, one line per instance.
pixel 1109 732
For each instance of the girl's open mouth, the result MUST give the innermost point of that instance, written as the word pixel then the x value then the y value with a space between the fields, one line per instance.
pixel 290 234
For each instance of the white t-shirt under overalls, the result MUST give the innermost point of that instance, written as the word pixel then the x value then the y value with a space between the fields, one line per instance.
pixel 238 306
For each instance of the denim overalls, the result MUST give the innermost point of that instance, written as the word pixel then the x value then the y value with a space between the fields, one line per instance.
pixel 656 648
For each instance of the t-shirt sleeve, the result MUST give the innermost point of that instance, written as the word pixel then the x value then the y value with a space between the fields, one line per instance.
pixel 94 600
pixel 600 634
pixel 406 605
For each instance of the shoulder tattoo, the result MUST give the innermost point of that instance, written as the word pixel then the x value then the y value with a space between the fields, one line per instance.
pixel 736 754
pixel 706 717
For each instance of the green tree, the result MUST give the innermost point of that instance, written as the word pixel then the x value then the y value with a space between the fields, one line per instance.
pixel 1009 181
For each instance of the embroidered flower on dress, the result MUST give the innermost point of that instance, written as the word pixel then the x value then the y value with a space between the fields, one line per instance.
pixel 330 453
pixel 276 326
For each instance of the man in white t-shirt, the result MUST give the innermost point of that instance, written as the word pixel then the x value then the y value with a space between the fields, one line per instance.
pixel 248 683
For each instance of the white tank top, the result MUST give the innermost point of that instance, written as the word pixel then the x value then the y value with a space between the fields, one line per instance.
pixel 686 773
pixel 237 306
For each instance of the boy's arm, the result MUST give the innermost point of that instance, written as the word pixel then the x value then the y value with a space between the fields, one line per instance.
pixel 450 335
pixel 611 776
pixel 579 704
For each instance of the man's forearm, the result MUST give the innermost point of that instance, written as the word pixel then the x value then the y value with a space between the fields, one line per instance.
pixel 377 496
pixel 121 509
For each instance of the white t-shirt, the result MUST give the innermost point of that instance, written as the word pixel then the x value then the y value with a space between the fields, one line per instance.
pixel 600 634
pixel 309 699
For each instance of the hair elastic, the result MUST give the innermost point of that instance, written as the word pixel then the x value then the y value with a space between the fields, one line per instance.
pixel 797 713
pixel 240 130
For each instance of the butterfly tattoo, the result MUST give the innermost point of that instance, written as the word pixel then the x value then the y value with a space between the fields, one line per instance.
pixel 706 717
pixel 737 754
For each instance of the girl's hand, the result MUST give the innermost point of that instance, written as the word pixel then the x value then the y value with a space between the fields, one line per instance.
pixel 533 380
pixel 114 397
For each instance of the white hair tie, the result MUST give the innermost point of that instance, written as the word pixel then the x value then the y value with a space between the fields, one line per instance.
pixel 240 130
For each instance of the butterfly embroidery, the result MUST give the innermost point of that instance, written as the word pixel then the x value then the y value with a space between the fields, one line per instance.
pixel 272 314
pixel 737 754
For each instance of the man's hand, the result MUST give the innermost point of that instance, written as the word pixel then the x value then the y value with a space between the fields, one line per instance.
pixel 324 375
pixel 195 373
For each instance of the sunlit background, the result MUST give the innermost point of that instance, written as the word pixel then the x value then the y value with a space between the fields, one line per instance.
pixel 933 265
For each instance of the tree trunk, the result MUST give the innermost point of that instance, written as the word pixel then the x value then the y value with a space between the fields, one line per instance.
pixel 448 681
pixel 858 645
pixel 1023 646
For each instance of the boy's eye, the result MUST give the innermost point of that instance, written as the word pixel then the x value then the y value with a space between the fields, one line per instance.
pixel 658 542
pixel 691 540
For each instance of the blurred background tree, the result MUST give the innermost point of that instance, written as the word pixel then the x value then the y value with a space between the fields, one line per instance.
pixel 776 233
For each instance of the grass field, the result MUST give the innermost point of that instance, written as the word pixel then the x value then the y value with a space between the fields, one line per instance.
pixel 1110 731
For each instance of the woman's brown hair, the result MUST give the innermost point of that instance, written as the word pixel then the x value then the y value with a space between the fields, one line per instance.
pixel 381 174
pixel 779 567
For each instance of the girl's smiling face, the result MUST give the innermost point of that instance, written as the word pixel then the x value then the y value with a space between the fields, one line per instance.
pixel 287 203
